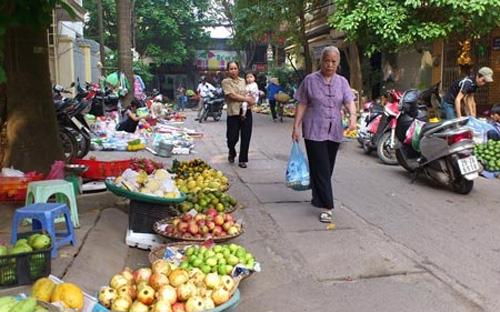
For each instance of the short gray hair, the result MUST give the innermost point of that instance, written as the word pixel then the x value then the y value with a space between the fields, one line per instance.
pixel 329 50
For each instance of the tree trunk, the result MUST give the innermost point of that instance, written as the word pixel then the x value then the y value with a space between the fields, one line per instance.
pixel 305 42
pixel 100 30
pixel 123 10
pixel 132 23
pixel 32 141
pixel 251 47
pixel 355 67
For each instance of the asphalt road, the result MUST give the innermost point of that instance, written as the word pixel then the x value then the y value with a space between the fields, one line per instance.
pixel 452 237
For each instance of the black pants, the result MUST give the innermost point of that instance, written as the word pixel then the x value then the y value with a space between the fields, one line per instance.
pixel 272 105
pixel 235 126
pixel 321 155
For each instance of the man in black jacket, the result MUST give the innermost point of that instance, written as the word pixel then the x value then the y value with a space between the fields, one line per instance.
pixel 464 89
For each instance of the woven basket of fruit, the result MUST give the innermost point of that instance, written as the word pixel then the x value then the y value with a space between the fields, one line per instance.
pixel 207 257
pixel 196 175
pixel 199 228
pixel 203 201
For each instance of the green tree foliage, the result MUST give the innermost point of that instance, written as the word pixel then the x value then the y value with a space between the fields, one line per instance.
pixel 170 31
pixel 109 21
pixel 392 24
pixel 37 14
pixel 254 19
pixel 167 31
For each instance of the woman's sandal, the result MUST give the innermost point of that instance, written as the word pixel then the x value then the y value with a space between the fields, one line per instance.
pixel 326 216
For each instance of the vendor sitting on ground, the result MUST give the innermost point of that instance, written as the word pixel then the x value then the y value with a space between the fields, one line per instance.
pixel 495 122
pixel 131 120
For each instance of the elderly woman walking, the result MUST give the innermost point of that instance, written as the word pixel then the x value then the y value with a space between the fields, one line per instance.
pixel 321 97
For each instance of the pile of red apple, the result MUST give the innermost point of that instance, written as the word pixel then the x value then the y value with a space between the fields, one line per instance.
pixel 211 224
pixel 165 288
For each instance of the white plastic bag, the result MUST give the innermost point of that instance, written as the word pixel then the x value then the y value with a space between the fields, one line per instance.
pixel 480 129
pixel 11 172
pixel 297 172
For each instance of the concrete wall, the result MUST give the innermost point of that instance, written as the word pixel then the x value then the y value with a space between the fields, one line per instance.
pixel 408 69
pixel 79 59
pixel 66 63
pixel 70 29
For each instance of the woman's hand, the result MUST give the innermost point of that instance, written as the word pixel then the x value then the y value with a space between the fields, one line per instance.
pixel 353 120
pixel 250 100
pixel 296 134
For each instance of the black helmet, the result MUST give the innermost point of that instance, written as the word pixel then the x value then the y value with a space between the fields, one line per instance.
pixel 409 100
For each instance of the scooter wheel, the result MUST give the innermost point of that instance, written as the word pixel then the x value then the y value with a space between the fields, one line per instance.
pixel 384 151
pixel 69 144
pixel 462 186
pixel 366 149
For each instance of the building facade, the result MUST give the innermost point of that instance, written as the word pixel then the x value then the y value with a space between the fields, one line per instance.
pixel 416 67
pixel 71 57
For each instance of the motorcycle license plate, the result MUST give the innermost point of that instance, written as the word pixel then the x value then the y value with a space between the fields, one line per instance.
pixel 468 165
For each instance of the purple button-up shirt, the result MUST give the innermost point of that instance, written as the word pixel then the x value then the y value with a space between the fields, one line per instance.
pixel 323 120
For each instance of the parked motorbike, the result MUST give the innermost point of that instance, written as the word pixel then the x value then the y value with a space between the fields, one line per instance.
pixel 442 151
pixel 103 101
pixel 73 128
pixel 368 123
pixel 380 128
pixel 212 106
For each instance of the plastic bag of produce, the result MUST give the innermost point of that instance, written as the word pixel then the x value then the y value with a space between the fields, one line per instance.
pixel 413 134
pixel 480 129
pixel 297 172
pixel 56 171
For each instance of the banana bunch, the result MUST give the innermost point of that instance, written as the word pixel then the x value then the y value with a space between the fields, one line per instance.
pixel 351 133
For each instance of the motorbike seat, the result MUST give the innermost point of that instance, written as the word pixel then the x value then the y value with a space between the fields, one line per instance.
pixel 58 104
pixel 371 117
pixel 431 125
pixel 62 104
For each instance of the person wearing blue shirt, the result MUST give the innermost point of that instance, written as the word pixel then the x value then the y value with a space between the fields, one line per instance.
pixel 272 89
pixel 495 122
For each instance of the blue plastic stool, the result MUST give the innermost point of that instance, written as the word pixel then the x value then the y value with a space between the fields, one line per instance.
pixel 44 216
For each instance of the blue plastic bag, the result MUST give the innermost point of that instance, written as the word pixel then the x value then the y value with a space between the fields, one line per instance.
pixel 480 129
pixel 297 171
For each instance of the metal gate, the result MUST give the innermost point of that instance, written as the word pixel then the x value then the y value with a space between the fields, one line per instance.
pixel 451 70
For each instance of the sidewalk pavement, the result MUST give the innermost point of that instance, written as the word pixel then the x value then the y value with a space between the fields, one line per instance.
pixel 354 267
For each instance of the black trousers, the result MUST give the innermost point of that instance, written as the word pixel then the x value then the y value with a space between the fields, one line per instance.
pixel 236 127
pixel 321 155
pixel 272 105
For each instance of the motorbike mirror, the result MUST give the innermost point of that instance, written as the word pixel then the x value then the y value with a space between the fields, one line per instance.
pixel 72 84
